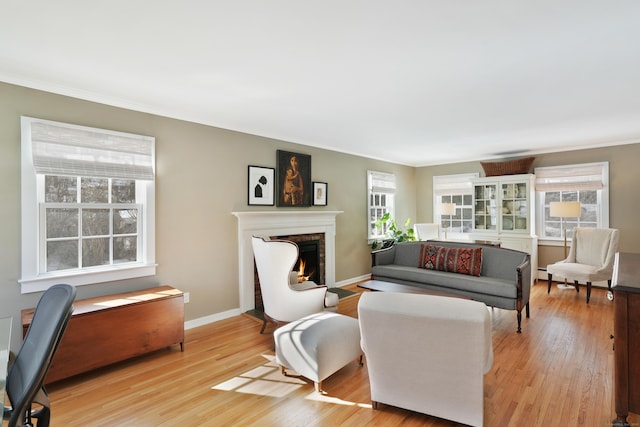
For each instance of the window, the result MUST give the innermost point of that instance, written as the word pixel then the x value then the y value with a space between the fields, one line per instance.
pixel 456 189
pixel 382 189
pixel 87 205
pixel 586 183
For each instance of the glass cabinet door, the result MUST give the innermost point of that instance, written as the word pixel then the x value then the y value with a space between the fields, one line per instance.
pixel 485 207
pixel 514 215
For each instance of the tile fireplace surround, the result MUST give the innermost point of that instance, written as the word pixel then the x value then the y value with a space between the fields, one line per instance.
pixel 281 223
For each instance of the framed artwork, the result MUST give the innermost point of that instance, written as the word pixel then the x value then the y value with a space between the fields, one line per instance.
pixel 320 193
pixel 294 179
pixel 261 186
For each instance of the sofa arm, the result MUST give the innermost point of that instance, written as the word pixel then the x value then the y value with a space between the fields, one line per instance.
pixel 523 272
pixel 383 256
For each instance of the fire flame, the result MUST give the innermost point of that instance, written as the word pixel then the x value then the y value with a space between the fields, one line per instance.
pixel 301 273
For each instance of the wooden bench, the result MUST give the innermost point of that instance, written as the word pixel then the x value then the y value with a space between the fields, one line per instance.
pixel 112 328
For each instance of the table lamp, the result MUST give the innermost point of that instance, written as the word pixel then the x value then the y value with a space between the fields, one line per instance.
pixel 447 209
pixel 565 210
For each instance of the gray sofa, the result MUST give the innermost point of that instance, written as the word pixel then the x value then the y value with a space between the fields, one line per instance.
pixel 504 280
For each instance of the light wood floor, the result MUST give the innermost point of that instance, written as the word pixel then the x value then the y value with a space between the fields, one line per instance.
pixel 558 372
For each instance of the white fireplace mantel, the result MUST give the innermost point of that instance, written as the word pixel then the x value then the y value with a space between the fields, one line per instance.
pixel 280 223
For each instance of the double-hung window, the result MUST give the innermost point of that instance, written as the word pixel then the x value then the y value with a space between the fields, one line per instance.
pixel 87 205
pixel 587 183
pixel 454 190
pixel 381 191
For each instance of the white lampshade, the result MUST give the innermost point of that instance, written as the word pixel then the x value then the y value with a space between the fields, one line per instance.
pixel 565 209
pixel 448 209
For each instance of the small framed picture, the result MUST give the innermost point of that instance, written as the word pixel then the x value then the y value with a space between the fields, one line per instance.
pixel 320 193
pixel 261 185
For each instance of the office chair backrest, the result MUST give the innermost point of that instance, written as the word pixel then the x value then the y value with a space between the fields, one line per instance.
pixel 27 374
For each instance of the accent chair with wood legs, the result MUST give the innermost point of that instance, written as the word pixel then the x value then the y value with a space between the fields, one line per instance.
pixel 591 258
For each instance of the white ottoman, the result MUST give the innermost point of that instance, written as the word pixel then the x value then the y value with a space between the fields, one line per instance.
pixel 318 345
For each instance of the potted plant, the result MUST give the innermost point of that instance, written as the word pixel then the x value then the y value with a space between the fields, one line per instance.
pixel 394 233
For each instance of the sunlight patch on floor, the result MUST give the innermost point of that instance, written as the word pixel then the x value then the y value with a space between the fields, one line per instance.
pixel 265 380
pixel 268 380
pixel 322 397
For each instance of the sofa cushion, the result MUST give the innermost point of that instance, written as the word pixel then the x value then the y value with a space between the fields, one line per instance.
pixel 454 260
pixel 440 279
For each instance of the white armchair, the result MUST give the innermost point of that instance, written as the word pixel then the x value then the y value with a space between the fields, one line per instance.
pixel 427 230
pixel 283 303
pixel 427 353
pixel 590 258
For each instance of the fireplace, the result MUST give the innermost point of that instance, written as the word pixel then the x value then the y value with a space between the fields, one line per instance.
pixel 283 223
pixel 308 263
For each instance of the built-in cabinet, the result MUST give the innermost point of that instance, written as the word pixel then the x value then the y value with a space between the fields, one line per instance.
pixel 504 211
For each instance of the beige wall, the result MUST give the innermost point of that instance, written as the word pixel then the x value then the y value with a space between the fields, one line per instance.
pixel 201 179
pixel 624 190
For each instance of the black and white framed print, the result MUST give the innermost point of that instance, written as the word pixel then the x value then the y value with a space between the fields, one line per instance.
pixel 320 193
pixel 294 179
pixel 261 185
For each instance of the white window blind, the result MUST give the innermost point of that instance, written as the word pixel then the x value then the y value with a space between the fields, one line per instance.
pixel 381 182
pixel 64 149
pixel 444 185
pixel 586 176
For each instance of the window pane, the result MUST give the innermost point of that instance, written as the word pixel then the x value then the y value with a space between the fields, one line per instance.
pixel 125 249
pixel 551 196
pixel 589 197
pixel 94 190
pixel 61 223
pixel 123 191
pixel 125 221
pixel 60 189
pixel 62 255
pixel 95 252
pixel 95 222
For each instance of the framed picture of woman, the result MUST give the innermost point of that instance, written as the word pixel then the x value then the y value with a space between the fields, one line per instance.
pixel 294 179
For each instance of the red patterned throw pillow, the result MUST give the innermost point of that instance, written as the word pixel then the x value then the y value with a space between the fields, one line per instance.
pixel 454 260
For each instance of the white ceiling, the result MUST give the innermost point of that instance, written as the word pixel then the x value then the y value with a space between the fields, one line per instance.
pixel 419 82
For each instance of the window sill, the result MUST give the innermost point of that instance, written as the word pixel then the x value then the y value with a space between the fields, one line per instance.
pixel 90 277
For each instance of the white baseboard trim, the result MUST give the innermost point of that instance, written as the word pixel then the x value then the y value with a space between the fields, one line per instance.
pixel 201 321
pixel 352 280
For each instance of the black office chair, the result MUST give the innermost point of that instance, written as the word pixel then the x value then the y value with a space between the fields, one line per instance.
pixel 25 381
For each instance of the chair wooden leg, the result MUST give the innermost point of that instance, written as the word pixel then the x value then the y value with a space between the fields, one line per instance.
pixel 588 291
pixel 549 281
pixel 576 284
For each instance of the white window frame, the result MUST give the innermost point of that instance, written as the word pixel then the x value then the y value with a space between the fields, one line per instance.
pixel 33 279
pixel 378 184
pixel 571 178
pixel 453 186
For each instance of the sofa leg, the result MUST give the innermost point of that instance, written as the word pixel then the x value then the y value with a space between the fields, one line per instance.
pixel 519 315
pixel 549 282
pixel 577 285
pixel 374 404
pixel 588 291
pixel 526 307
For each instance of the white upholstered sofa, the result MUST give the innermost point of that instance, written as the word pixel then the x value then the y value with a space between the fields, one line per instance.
pixel 427 353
